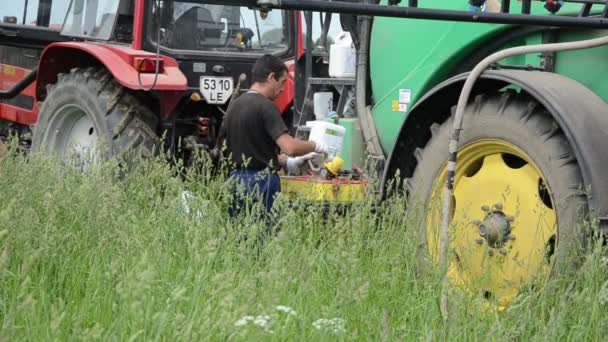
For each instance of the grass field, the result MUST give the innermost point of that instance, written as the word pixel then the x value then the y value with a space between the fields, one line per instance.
pixel 84 257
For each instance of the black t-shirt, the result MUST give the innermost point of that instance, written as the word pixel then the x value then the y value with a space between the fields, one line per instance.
pixel 252 125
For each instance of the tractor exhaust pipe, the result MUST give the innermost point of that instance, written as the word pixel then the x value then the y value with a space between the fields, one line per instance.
pixel 19 86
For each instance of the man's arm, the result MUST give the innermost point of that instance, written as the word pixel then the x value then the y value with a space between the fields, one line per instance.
pixel 275 127
pixel 294 147
pixel 295 165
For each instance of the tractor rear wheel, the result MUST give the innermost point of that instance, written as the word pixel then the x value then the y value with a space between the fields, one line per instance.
pixel 517 198
pixel 88 115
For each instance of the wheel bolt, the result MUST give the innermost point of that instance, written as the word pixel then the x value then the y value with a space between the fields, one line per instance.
pixel 511 237
pixel 511 218
pixel 485 208
pixel 502 251
pixel 483 230
pixel 498 206
pixel 479 241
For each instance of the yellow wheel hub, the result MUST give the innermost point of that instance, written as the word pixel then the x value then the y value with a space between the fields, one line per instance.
pixel 503 225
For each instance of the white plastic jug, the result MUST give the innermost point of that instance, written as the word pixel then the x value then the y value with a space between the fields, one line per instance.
pixel 323 104
pixel 329 134
pixel 342 59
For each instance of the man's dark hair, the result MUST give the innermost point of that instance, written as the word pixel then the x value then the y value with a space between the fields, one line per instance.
pixel 265 65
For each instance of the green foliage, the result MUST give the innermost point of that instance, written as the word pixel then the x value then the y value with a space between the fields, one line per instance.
pixel 104 256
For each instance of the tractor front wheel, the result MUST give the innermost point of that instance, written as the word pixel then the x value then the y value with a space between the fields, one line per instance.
pixel 88 115
pixel 517 197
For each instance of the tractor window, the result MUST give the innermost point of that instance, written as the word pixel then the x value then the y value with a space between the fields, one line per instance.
pixel 93 19
pixel 189 26
pixel 40 13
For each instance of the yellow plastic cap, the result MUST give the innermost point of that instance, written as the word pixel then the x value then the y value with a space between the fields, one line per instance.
pixel 335 165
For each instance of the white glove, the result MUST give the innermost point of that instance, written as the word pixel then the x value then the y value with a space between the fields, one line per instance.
pixel 294 164
pixel 321 148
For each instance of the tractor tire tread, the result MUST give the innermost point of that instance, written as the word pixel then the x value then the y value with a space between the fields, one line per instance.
pixel 505 99
pixel 128 123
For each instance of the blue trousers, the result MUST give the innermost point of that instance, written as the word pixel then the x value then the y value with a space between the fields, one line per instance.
pixel 259 185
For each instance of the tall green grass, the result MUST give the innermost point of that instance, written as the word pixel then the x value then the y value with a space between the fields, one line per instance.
pixel 84 256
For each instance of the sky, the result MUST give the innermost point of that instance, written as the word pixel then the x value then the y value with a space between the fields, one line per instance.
pixel 15 8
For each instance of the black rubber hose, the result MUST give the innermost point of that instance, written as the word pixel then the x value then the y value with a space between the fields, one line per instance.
pixel 368 127
pixel 20 86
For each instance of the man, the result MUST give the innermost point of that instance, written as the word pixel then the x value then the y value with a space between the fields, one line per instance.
pixel 255 132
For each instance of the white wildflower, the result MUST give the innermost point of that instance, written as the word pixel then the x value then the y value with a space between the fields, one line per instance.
pixel 335 325
pixel 262 321
pixel 286 309
pixel 244 321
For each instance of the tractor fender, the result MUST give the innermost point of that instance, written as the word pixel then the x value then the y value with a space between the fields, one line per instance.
pixel 580 113
pixel 117 59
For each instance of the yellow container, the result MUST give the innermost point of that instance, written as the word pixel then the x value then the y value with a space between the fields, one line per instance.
pixel 314 189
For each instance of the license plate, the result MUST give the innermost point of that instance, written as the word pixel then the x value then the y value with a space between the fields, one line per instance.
pixel 216 90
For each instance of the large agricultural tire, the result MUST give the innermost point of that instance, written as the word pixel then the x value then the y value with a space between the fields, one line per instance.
pixel 517 198
pixel 87 114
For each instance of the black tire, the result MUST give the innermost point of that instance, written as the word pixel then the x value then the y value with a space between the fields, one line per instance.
pixel 521 121
pixel 121 123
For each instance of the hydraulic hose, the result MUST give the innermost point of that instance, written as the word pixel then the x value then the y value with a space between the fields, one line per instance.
pixel 462 102
pixel 368 128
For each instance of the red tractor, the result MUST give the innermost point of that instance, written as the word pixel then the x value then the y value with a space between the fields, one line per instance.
pixel 120 74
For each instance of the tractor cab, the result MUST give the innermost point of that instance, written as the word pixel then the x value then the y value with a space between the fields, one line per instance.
pixel 218 28
pixel 214 42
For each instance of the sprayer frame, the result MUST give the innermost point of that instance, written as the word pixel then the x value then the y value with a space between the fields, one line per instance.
pixel 412 11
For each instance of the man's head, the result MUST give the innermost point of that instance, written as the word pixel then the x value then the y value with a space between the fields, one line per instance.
pixel 270 74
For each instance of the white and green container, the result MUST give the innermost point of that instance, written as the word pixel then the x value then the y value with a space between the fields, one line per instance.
pixel 329 134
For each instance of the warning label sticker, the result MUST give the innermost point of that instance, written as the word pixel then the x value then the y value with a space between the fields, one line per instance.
pixel 405 96
pixel 395 106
